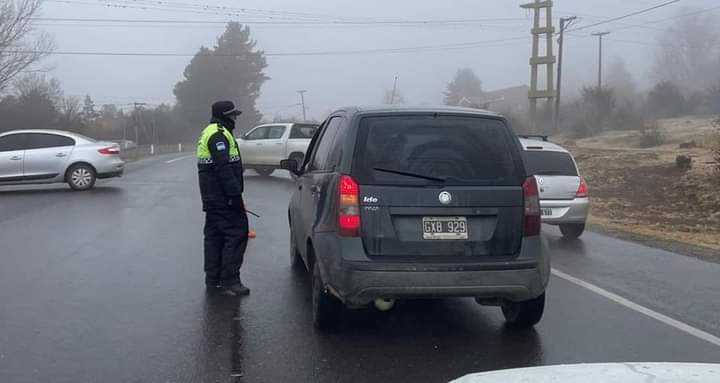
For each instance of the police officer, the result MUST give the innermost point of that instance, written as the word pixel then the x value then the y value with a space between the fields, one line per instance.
pixel 220 173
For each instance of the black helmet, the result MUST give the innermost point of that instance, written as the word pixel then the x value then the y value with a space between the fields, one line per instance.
pixel 224 109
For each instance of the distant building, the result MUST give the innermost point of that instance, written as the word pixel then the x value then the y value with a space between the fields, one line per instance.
pixel 508 100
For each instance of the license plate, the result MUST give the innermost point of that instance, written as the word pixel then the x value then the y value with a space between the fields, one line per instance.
pixel 547 212
pixel 445 228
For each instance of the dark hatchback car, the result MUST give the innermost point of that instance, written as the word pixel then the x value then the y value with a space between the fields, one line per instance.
pixel 397 202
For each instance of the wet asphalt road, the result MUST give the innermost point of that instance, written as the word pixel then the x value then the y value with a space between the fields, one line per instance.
pixel 107 286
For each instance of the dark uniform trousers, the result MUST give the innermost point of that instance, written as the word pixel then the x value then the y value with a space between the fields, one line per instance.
pixel 226 238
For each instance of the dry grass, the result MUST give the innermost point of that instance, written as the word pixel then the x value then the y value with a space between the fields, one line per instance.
pixel 641 191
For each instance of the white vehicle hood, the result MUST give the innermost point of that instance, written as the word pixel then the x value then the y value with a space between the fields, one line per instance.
pixel 603 373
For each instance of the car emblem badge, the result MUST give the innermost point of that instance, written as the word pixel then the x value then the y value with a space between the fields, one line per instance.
pixel 445 198
pixel 541 181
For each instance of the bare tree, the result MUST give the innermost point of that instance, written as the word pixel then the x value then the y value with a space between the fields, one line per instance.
pixel 37 84
pixel 621 81
pixel 20 47
pixel 689 51
pixel 70 118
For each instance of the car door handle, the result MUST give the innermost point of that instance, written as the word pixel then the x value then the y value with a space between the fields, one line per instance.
pixel 258 144
pixel 278 143
pixel 15 158
pixel 315 189
pixel 60 155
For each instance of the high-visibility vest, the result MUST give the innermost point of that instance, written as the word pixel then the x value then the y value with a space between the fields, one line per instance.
pixel 203 152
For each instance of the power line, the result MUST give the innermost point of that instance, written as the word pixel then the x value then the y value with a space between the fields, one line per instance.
pixel 158 5
pixel 467 45
pixel 614 19
pixel 693 13
pixel 250 22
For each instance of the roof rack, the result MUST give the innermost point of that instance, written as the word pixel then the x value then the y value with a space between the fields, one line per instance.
pixel 534 136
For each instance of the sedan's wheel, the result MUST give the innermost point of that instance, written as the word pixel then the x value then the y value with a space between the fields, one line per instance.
pixel 296 261
pixel 326 308
pixel 572 231
pixel 264 172
pixel 524 314
pixel 81 177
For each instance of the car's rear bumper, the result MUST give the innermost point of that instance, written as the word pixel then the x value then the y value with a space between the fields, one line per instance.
pixel 360 282
pixel 117 173
pixel 566 211
pixel 109 168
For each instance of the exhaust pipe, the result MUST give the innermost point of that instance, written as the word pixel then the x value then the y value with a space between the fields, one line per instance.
pixel 384 304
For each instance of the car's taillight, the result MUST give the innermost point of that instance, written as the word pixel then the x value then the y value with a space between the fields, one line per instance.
pixel 531 222
pixel 582 189
pixel 348 207
pixel 109 150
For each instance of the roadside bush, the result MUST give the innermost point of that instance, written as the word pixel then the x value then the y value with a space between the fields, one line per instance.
pixel 666 100
pixel 713 100
pixel 627 117
pixel 650 135
pixel 715 149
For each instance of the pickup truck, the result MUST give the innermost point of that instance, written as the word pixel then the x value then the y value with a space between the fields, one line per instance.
pixel 263 147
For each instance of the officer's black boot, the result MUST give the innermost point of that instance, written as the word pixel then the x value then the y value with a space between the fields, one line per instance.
pixel 237 289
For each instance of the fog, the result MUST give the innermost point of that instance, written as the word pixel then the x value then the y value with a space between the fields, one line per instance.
pixel 339 79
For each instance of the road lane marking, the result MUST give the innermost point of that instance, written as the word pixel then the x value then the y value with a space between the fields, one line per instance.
pixel 178 159
pixel 684 327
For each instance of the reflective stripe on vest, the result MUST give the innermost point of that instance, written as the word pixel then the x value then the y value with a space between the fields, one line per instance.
pixel 203 152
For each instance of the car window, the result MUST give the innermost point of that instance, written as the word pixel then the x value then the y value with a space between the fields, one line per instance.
pixel 459 150
pixel 42 141
pixel 549 163
pixel 303 131
pixel 259 133
pixel 13 142
pixel 275 132
pixel 320 160
pixel 310 153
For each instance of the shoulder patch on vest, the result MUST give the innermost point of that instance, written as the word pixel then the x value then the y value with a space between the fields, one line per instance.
pixel 221 146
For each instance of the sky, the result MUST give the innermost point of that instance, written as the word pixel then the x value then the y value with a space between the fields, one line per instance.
pixel 499 53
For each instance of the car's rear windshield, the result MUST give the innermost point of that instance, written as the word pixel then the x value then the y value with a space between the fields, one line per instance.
pixel 549 163
pixel 86 138
pixel 451 150
pixel 304 131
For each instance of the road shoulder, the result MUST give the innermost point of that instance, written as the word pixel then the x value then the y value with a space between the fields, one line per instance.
pixel 682 248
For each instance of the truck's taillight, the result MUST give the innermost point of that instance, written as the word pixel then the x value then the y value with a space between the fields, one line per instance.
pixel 348 207
pixel 531 222
pixel 109 150
pixel 582 189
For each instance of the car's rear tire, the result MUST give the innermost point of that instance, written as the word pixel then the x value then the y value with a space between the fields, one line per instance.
pixel 296 262
pixel 524 314
pixel 265 172
pixel 326 307
pixel 572 230
pixel 81 177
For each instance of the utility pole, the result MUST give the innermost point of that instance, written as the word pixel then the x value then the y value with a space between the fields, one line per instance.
pixel 302 100
pixel 392 97
pixel 137 107
pixel 537 60
pixel 600 56
pixel 564 24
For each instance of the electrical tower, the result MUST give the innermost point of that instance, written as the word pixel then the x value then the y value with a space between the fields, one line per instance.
pixel 545 31
pixel 302 102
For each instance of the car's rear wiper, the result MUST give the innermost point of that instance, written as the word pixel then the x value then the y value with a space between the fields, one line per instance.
pixel 409 174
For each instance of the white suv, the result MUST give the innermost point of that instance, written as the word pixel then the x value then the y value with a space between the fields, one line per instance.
pixel 263 147
pixel 563 193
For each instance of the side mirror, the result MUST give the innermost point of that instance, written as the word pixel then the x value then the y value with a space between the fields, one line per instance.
pixel 290 165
